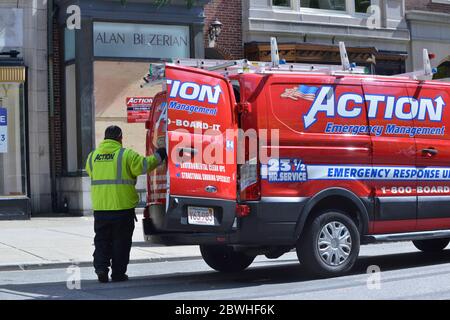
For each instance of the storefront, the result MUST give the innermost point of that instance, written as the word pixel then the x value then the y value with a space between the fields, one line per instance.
pixel 14 184
pixel 375 61
pixel 102 67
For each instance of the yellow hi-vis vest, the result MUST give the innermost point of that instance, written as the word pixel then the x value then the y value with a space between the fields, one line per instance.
pixel 113 171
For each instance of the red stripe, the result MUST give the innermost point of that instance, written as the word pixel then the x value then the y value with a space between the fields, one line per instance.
pixel 398 226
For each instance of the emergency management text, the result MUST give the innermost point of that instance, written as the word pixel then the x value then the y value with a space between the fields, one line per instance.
pixel 378 130
pixel 192 109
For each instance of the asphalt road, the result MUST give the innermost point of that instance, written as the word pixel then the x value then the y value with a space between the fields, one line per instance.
pixel 405 274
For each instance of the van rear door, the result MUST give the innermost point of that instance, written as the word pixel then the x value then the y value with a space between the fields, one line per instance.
pixel 200 134
pixel 195 190
pixel 156 138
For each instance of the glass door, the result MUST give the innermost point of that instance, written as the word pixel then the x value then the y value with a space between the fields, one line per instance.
pixel 13 181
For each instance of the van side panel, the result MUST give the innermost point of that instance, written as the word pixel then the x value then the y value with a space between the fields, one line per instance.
pixel 433 101
pixel 315 144
pixel 396 199
pixel 323 139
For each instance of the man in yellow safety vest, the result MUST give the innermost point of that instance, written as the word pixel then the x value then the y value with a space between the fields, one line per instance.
pixel 113 171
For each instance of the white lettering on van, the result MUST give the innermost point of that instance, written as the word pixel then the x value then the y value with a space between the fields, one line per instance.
pixel 324 102
pixel 402 108
pixel 194 91
pixel 427 107
pixel 373 101
pixel 343 103
pixel 389 112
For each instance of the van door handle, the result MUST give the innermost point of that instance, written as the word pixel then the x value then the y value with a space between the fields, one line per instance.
pixel 429 151
pixel 189 151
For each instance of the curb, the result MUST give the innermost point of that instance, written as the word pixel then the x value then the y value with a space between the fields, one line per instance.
pixel 61 265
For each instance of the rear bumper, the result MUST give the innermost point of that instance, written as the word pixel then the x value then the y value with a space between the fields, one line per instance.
pixel 271 221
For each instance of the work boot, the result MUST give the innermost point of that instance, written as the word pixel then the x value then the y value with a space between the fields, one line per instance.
pixel 119 278
pixel 102 277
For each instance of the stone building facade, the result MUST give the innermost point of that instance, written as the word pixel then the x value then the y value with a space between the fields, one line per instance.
pixel 375 32
pixel 53 123
pixel 429 23
pixel 229 44
pixel 25 184
pixel 97 67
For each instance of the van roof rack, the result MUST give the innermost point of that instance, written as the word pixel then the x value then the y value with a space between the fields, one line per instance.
pixel 156 72
pixel 426 73
pixel 276 65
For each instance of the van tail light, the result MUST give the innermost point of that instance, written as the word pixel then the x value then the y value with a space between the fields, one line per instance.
pixel 250 185
pixel 242 210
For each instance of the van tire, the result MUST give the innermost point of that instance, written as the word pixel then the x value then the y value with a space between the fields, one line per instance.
pixel 327 223
pixel 224 258
pixel 431 245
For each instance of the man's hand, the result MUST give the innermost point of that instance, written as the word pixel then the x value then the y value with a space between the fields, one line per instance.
pixel 161 153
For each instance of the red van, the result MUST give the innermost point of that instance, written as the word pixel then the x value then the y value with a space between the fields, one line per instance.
pixel 349 159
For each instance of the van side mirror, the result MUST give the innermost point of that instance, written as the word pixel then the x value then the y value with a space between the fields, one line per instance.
pixel 148 125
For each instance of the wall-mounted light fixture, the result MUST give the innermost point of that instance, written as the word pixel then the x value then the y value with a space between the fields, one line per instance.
pixel 214 31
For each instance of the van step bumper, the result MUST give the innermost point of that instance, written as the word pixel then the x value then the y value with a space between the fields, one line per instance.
pixel 184 238
pixel 176 218
pixel 271 221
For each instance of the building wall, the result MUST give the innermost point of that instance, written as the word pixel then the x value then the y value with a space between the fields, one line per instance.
pixel 441 6
pixel 34 53
pixel 73 184
pixel 429 22
pixel 229 13
pixel 56 126
pixel 296 24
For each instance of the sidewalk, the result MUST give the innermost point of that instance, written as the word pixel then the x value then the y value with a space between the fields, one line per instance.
pixel 62 241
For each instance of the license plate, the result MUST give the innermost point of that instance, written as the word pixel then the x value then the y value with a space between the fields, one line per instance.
pixel 201 216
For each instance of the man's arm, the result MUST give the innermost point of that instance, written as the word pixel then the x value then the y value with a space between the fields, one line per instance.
pixel 142 165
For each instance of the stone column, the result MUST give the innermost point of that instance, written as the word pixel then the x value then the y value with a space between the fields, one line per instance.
pixel 35 57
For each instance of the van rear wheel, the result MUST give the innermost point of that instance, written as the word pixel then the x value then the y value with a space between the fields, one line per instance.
pixel 329 245
pixel 224 258
pixel 431 245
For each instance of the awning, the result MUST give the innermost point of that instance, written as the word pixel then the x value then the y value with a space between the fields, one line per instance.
pixel 12 74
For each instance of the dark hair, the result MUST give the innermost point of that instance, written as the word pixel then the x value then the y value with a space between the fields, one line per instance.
pixel 113 133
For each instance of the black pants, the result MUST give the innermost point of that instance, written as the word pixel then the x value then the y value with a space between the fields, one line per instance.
pixel 113 238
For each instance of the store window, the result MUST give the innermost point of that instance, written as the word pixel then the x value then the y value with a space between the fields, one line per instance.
pixel 12 140
pixel 115 82
pixel 71 116
pixel 70 87
pixel 338 5
pixel 69 44
pixel 281 3
pixel 360 6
